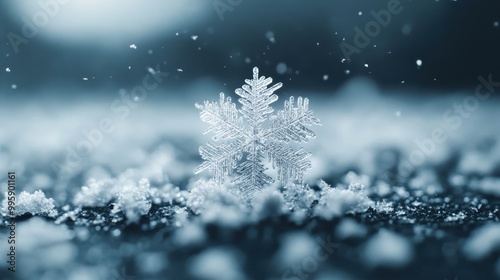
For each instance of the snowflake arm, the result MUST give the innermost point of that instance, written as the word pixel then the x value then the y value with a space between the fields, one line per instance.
pixel 223 117
pixel 255 98
pixel 220 159
pixel 291 165
pixel 252 176
pixel 291 123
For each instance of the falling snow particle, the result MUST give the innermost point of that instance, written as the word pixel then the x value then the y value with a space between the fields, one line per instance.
pixel 151 71
pixel 360 13
pixel 14 86
pixel 248 60
pixel 419 62
pixel 133 46
pixel 270 37
pixel 7 70
pixel 281 68
pixel 325 77
pixel 150 51
pixel 347 72
pixel 85 79
pixel 366 65
pixel 180 70
pixel 496 24
pixel 194 37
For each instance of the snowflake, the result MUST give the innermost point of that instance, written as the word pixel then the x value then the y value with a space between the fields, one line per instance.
pixel 248 142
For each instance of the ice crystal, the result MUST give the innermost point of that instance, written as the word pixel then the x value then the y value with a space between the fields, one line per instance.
pixel 35 204
pixel 242 141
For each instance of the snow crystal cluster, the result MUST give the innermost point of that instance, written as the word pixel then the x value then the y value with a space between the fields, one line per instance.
pixel 34 204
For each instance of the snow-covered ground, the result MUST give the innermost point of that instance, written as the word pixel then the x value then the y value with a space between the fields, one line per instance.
pixel 400 182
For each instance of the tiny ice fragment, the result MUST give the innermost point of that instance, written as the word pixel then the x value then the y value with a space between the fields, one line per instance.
pixel 419 62
pixel 85 79
pixel 7 70
pixel 151 71
pixel 360 13
pixel 347 72
pixel 180 70
pixel 14 86
pixel 325 77
pixel 133 46
pixel 194 37
pixel 366 65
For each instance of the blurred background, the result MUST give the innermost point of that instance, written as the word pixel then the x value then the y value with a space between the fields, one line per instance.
pixel 221 40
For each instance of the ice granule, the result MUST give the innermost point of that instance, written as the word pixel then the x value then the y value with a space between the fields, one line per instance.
pixel 336 202
pixel 35 204
pixel 191 234
pixel 216 264
pixel 296 246
pixel 349 228
pixel 135 201
pixel 482 242
pixel 387 249
pixel 488 185
pixel 96 193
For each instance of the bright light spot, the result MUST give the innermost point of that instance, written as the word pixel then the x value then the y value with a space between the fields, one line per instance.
pixel 107 23
pixel 133 46
pixel 85 79
pixel 7 70
pixel 419 62
pixel 496 24
pixel 347 72
pixel 194 37
pixel 325 77
pixel 180 70
pixel 14 86
pixel 366 65
pixel 360 13
pixel 281 68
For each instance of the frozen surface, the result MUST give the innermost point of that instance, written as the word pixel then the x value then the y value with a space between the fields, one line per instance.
pixel 135 198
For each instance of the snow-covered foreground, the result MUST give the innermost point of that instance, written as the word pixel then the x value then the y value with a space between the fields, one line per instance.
pixel 400 188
